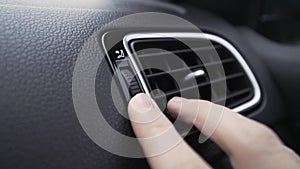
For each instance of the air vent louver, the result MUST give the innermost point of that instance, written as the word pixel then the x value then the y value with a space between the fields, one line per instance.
pixel 242 90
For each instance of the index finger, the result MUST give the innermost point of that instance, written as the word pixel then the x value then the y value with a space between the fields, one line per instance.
pixel 248 143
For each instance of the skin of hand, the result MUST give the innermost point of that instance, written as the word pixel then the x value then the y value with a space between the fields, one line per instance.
pixel 248 144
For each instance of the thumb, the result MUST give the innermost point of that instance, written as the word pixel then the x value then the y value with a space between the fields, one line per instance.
pixel 160 141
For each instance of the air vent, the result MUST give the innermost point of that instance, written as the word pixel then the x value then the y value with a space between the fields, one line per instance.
pixel 154 57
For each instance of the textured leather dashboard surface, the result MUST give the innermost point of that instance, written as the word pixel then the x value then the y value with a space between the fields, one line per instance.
pixel 38 51
pixel 39 128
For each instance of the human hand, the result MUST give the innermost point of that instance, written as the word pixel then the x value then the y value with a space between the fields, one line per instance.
pixel 248 144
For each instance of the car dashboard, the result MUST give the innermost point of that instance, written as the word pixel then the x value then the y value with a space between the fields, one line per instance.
pixel 52 52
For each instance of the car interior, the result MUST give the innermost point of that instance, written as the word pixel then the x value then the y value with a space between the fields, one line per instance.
pixel 53 52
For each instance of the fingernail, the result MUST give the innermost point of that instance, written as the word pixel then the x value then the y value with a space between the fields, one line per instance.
pixel 177 99
pixel 142 103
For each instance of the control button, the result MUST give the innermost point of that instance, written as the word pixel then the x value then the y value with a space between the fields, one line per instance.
pixel 131 81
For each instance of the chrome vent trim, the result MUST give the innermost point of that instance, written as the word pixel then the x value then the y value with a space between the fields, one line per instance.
pixel 134 36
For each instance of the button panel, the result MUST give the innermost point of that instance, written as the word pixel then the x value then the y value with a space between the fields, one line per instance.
pixel 121 65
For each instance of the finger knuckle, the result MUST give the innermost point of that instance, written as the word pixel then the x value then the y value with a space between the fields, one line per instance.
pixel 258 138
pixel 158 128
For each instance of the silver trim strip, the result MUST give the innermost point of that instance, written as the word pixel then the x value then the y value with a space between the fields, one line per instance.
pixel 211 37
